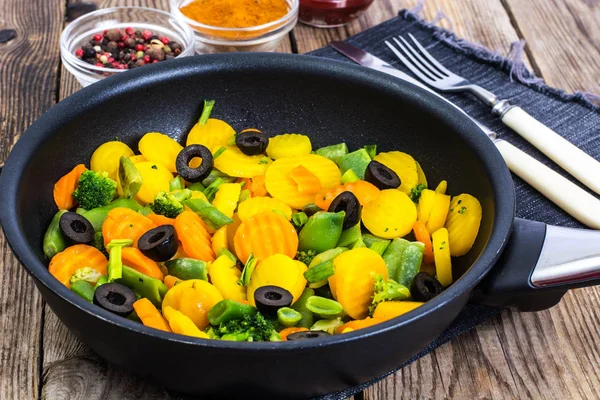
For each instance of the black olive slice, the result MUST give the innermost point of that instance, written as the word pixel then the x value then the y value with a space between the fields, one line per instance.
pixel 183 163
pixel 269 299
pixel 347 201
pixel 382 176
pixel 307 335
pixel 251 143
pixel 159 244
pixel 116 298
pixel 425 287
pixel 311 209
pixel 76 228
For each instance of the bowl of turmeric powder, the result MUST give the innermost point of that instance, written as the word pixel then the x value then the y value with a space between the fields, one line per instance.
pixel 237 25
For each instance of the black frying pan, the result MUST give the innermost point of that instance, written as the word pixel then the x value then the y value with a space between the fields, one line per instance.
pixel 332 102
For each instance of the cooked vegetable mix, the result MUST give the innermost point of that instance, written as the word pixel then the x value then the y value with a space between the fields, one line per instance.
pixel 242 237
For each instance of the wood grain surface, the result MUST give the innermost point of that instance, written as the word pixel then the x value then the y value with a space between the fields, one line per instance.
pixel 547 355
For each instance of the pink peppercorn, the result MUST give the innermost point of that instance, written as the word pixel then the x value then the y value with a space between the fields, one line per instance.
pixel 97 37
pixel 99 64
pixel 165 40
pixel 111 60
pixel 133 57
pixel 146 35
pixel 79 53
pixel 139 47
pixel 121 45
pixel 124 37
pixel 147 58
pixel 129 31
pixel 155 61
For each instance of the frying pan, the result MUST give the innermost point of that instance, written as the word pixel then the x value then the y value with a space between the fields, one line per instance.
pixel 513 262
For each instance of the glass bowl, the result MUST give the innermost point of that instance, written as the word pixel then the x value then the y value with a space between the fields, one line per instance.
pixel 83 28
pixel 214 39
pixel 331 13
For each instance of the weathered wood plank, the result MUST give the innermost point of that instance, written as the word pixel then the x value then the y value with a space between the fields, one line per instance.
pixel 28 71
pixel 563 36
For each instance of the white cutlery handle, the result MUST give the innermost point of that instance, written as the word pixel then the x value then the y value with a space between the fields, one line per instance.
pixel 574 200
pixel 564 153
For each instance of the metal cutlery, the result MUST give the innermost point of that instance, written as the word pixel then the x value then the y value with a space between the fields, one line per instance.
pixel 564 153
pixel 571 198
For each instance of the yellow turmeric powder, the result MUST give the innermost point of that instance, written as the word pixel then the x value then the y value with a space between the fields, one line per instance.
pixel 235 13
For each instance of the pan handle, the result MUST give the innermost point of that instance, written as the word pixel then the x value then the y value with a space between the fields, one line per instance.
pixel 540 263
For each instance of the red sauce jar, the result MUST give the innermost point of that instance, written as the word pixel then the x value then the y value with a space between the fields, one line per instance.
pixel 331 13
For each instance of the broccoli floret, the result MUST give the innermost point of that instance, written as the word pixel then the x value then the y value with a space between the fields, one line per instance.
pixel 389 290
pixel 94 189
pixel 306 256
pixel 170 204
pixel 415 193
pixel 87 274
pixel 251 328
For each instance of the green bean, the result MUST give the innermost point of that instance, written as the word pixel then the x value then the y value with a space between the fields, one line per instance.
pixel 103 279
pixel 176 184
pixel 350 236
pixel 300 306
pixel 327 325
pixel 129 177
pixel 393 256
pixel 115 259
pixel 209 213
pixel 371 150
pixel 357 161
pixel 299 219
pixel 370 239
pixel 333 152
pixel 198 187
pixel 349 177
pixel 324 308
pixel 145 286
pixel 84 289
pixel 410 263
pixel 319 272
pixel 248 270
pixel 322 258
pixel 321 232
pixel 229 310
pixel 225 252
pixel 54 241
pixel 245 195
pixel 187 268
pixel 379 247
pixel 288 316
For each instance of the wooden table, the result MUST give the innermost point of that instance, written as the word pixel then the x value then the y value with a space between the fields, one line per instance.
pixel 550 354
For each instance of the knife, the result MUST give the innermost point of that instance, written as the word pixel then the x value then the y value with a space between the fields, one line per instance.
pixel 571 198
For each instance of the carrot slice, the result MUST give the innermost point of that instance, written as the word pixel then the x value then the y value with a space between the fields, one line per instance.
pixel 150 315
pixel 160 220
pixel 284 333
pixel 194 236
pixel 257 186
pixel 265 234
pixel 422 235
pixel 64 188
pixel 308 183
pixel 64 264
pixel 363 190
pixel 124 223
pixel 135 259
pixel 170 281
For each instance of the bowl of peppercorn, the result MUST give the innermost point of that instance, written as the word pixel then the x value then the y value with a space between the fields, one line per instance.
pixel 114 40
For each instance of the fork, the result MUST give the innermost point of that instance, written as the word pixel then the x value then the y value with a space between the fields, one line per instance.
pixel 564 153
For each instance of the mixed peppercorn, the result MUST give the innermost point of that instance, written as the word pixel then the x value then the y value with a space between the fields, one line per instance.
pixel 117 49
